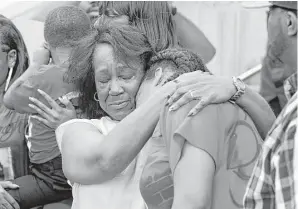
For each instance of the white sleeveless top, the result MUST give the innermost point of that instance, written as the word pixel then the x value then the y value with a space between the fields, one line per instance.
pixel 122 192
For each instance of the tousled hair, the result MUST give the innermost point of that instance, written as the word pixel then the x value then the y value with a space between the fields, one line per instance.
pixel 126 41
pixel 65 25
pixel 184 61
pixel 153 18
pixel 11 38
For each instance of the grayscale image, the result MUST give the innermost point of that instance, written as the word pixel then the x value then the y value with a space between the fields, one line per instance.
pixel 148 105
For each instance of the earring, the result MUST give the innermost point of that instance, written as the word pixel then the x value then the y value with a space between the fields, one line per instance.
pixel 95 97
pixel 8 78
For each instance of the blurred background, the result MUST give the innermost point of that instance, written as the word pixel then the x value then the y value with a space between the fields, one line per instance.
pixel 238 34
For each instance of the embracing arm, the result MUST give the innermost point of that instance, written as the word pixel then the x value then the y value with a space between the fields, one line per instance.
pixel 210 89
pixel 103 160
pixel 17 95
pixel 193 179
pixel 258 109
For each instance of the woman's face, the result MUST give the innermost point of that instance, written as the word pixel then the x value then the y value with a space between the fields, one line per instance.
pixel 116 83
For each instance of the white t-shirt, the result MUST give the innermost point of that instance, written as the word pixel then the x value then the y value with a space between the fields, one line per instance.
pixel 122 192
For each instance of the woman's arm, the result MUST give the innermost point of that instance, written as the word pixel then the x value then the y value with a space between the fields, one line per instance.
pixel 100 158
pixel 191 37
pixel 210 89
pixel 193 179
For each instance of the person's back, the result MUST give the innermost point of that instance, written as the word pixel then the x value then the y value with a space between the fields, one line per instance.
pixel 235 147
pixel 64 26
pixel 223 135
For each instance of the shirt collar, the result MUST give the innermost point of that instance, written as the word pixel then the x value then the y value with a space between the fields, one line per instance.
pixel 290 86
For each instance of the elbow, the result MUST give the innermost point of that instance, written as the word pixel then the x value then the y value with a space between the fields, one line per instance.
pixel 193 202
pixel 6 101
pixel 87 172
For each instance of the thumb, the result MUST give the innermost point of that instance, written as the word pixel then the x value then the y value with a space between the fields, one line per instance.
pixel 9 185
pixel 67 103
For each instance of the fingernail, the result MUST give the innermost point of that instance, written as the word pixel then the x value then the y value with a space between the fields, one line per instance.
pixel 31 98
pixel 190 114
pixel 172 108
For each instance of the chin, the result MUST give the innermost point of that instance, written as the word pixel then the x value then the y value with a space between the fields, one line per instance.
pixel 122 115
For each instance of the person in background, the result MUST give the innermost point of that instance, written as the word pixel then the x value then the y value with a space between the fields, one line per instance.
pixel 273 75
pixel 14 61
pixel 64 26
pixel 153 16
pixel 107 67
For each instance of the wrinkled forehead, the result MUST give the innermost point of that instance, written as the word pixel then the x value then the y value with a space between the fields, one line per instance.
pixel 105 53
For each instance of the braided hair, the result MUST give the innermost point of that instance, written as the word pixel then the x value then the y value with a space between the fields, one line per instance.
pixel 183 60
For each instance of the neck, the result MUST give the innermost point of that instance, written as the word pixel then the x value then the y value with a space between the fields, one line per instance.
pixel 60 55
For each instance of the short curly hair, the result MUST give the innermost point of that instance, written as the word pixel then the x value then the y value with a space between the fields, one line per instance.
pixel 183 60
pixel 65 25
pixel 126 41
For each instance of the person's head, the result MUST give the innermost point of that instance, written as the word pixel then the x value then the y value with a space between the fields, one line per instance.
pixel 14 58
pixel 108 66
pixel 63 27
pixel 282 33
pixel 165 66
pixel 153 18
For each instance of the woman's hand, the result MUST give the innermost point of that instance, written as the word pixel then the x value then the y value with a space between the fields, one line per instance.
pixel 54 116
pixel 204 87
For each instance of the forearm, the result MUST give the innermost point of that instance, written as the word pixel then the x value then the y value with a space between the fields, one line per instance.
pixel 107 156
pixel 123 144
pixel 16 92
pixel 258 109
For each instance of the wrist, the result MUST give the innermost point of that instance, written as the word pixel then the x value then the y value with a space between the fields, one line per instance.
pixel 240 89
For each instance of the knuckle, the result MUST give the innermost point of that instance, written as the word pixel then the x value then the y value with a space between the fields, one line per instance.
pixel 181 90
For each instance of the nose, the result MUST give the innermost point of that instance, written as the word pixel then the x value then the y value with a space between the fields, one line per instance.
pixel 115 88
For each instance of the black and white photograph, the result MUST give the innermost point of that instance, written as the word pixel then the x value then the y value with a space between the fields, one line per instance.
pixel 148 105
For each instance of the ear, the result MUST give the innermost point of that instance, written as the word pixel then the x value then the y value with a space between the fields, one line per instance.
pixel 12 58
pixel 291 24
pixel 158 75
